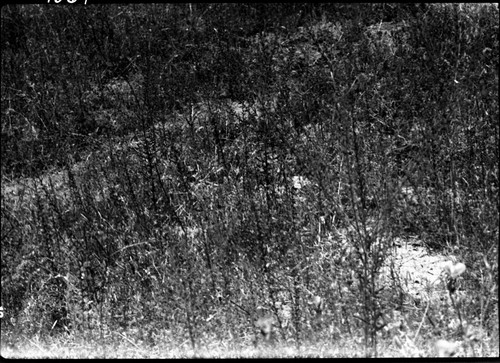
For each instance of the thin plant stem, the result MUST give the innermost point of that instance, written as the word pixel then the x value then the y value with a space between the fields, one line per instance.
pixel 422 321
pixel 458 312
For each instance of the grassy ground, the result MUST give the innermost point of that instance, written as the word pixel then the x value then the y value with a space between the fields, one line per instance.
pixel 420 272
pixel 123 346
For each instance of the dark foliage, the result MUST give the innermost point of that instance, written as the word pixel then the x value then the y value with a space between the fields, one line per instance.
pixel 164 163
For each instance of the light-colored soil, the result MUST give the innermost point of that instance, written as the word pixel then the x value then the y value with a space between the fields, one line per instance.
pixel 419 270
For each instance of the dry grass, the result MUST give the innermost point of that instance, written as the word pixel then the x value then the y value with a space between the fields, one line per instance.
pixel 81 347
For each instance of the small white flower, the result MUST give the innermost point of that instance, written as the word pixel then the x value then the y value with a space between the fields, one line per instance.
pixel 317 302
pixel 454 270
pixel 300 182
pixel 445 348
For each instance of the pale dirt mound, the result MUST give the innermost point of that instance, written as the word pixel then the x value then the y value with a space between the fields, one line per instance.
pixel 418 270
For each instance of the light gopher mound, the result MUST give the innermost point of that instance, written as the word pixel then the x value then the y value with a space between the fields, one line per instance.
pixel 419 272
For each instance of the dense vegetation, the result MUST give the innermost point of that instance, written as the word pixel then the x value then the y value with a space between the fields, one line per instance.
pixel 170 172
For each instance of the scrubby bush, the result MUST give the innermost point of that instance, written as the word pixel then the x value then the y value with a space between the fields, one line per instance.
pixel 170 170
